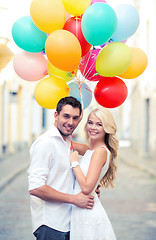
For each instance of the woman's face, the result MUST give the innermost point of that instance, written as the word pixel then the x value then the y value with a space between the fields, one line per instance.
pixel 94 128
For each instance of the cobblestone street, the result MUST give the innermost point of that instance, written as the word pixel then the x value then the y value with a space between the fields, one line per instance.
pixel 15 221
pixel 131 206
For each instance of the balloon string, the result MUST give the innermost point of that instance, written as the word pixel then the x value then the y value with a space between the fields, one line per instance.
pixel 79 82
pixel 72 148
pixel 59 76
pixel 75 74
pixel 90 53
pixel 81 95
pixel 76 26
pixel 90 68
pixel 88 90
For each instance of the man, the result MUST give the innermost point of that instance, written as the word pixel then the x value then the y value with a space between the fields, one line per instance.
pixel 51 178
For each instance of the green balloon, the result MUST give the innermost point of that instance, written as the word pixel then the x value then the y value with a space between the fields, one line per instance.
pixel 113 59
pixel 27 36
pixel 99 22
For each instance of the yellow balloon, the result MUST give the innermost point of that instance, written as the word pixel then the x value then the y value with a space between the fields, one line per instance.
pixel 138 64
pixel 49 91
pixel 48 15
pixel 66 76
pixel 76 7
pixel 113 59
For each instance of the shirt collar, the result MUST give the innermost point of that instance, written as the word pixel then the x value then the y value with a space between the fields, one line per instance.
pixel 55 132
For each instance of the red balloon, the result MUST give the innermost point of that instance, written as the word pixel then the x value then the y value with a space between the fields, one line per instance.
pixel 73 25
pixel 110 92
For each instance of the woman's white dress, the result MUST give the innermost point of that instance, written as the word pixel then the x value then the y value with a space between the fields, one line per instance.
pixel 92 224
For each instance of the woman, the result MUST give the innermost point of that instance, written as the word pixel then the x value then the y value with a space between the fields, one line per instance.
pixel 96 166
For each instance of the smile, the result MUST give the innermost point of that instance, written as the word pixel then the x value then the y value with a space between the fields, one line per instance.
pixel 68 128
pixel 93 133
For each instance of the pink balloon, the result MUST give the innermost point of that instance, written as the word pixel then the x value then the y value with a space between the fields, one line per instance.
pixel 87 66
pixel 30 66
pixel 95 1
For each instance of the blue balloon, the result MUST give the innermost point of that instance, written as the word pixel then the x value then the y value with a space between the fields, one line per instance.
pixel 127 22
pixel 99 23
pixel 27 36
pixel 86 93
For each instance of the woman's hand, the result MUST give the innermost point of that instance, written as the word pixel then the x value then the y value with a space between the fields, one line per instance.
pixel 74 156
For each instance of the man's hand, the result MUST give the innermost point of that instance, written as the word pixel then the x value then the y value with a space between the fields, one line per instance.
pixel 97 190
pixel 84 201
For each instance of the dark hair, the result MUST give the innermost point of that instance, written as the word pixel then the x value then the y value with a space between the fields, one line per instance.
pixel 68 101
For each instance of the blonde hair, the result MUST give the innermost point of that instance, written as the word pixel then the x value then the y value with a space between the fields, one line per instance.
pixel 111 142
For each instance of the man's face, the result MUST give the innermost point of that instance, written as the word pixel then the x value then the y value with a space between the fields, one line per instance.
pixel 67 120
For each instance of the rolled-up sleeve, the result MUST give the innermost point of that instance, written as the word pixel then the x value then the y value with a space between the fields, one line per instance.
pixel 41 159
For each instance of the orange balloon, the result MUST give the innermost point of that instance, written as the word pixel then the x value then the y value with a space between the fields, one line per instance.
pixel 48 15
pixel 63 50
pixel 49 91
pixel 137 65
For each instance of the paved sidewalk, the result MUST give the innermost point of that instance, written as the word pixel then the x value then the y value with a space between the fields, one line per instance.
pixel 130 157
pixel 12 165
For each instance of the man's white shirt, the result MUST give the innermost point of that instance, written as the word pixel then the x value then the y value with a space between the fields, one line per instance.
pixel 50 165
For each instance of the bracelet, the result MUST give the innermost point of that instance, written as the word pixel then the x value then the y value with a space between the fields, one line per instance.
pixel 74 164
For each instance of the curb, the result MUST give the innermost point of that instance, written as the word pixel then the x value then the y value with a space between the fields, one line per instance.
pixel 141 167
pixel 12 176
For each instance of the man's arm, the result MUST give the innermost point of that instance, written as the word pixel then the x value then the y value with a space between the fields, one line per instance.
pixel 47 193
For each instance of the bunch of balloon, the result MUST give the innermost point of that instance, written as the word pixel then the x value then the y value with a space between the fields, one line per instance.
pixel 82 41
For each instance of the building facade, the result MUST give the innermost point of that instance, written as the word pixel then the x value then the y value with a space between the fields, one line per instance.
pixel 137 115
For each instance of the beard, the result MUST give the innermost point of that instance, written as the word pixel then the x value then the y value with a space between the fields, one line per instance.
pixel 65 134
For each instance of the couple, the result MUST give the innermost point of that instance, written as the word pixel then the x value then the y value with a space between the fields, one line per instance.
pixel 63 207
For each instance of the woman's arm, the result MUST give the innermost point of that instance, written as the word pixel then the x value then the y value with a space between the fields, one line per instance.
pixel 80 148
pixel 98 160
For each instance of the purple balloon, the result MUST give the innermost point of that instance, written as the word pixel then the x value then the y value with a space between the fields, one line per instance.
pixel 124 41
